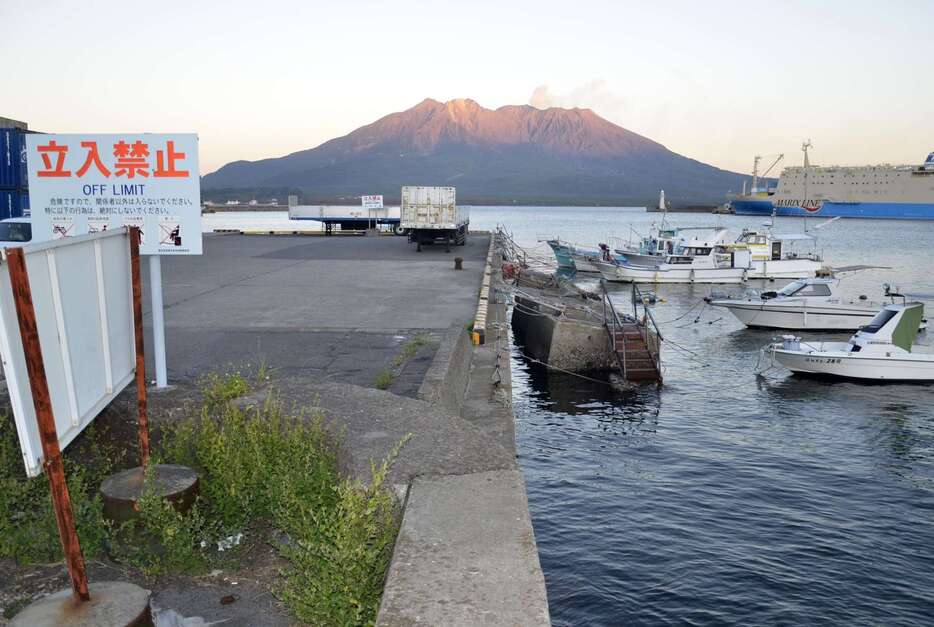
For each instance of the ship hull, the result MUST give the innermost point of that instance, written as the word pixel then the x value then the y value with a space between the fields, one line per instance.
pixel 833 360
pixel 827 209
pixel 796 317
pixel 748 207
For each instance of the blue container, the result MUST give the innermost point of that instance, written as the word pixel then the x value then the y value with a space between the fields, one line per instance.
pixel 13 203
pixel 13 173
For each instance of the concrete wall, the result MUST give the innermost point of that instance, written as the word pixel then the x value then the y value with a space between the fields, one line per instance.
pixel 559 341
pixel 446 380
pixel 577 346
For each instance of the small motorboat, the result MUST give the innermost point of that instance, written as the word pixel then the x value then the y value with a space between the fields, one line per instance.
pixel 882 350
pixel 814 304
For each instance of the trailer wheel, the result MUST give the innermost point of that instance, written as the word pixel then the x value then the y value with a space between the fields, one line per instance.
pixel 398 230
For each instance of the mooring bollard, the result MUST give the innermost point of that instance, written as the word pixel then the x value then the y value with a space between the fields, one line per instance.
pixel 458 263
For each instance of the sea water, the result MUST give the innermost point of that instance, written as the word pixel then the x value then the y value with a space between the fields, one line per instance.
pixel 725 498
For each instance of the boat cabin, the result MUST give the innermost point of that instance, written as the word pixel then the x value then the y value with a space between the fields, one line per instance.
pixel 894 327
pixel 766 246
pixel 805 288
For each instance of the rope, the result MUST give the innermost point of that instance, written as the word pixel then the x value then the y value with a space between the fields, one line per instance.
pixel 689 352
pixel 700 302
pixel 575 374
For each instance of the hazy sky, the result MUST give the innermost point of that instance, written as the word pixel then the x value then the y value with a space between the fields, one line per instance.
pixel 714 80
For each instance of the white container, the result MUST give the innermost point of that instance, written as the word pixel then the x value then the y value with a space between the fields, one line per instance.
pixel 432 208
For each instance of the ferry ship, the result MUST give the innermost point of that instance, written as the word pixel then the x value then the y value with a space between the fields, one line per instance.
pixel 881 191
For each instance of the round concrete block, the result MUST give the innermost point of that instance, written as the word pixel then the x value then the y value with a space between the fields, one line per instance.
pixel 121 492
pixel 112 604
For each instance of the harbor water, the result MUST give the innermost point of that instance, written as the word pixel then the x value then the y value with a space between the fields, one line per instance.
pixel 725 498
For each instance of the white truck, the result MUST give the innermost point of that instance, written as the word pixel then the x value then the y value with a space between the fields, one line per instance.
pixel 430 214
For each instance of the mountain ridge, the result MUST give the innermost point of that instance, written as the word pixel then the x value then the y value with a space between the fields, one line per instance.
pixel 512 153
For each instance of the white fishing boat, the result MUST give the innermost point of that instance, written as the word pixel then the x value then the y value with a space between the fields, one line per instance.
pixel 883 350
pixel 806 304
pixel 773 256
pixel 703 259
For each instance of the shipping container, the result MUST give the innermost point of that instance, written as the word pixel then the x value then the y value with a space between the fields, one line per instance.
pixel 13 159
pixel 431 214
pixel 432 208
pixel 13 204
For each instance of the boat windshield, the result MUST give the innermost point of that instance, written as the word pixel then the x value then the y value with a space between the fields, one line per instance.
pixel 15 231
pixel 791 288
pixel 879 321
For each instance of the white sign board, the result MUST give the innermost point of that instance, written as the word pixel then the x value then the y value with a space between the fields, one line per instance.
pixel 372 202
pixel 81 184
pixel 82 292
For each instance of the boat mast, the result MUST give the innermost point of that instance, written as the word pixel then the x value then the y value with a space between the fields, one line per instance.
pixel 807 166
pixel 663 206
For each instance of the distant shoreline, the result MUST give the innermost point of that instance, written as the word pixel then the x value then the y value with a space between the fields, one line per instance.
pixel 273 208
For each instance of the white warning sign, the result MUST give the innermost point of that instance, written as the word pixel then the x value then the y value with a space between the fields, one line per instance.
pixel 91 183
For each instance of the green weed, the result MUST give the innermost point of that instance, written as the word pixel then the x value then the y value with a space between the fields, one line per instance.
pixel 218 389
pixel 163 540
pixel 384 379
pixel 339 555
pixel 28 532
pixel 410 348
pixel 261 467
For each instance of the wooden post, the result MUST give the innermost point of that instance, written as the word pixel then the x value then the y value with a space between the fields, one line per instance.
pixel 141 399
pixel 61 501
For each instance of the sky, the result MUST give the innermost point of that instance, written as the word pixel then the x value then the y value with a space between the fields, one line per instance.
pixel 716 81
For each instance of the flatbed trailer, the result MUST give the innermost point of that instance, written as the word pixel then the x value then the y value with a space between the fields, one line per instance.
pixel 347 217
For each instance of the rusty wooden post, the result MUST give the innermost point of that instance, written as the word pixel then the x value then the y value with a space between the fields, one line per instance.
pixel 61 501
pixel 141 399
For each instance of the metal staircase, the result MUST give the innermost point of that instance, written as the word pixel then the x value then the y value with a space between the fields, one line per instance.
pixel 637 348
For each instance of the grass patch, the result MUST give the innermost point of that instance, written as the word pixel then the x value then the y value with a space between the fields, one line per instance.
pixel 267 464
pixel 410 348
pixel 384 379
pixel 28 533
pixel 218 388
pixel 266 471
pixel 386 376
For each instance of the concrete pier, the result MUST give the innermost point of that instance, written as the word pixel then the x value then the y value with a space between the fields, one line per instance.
pixel 327 315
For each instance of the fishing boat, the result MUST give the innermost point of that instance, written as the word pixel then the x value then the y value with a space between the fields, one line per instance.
pixel 773 256
pixel 882 350
pixel 703 259
pixel 577 258
pixel 805 304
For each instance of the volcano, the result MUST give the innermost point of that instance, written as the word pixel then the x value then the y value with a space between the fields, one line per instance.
pixel 513 154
